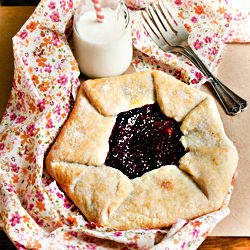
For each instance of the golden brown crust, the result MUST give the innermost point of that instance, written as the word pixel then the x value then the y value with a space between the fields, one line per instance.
pixel 96 191
pixel 84 137
pixel 175 98
pixel 159 197
pixel 212 157
pixel 212 169
pixel 110 96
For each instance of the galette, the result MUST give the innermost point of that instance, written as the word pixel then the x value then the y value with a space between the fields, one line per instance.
pixel 141 151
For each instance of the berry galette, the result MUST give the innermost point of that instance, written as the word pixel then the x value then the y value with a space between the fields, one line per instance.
pixel 142 150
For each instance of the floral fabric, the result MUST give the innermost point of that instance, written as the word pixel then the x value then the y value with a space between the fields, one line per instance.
pixel 34 212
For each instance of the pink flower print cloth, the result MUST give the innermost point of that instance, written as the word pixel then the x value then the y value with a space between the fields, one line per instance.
pixel 34 212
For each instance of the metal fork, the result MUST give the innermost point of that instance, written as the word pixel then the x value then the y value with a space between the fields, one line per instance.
pixel 171 36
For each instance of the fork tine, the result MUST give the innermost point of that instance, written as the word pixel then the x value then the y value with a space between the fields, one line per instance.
pixel 156 20
pixel 166 14
pixel 151 25
pixel 182 33
pixel 153 31
pixel 179 25
pixel 152 35
pixel 165 29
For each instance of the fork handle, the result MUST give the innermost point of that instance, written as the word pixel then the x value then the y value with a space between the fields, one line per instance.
pixel 230 106
pixel 232 103
pixel 207 72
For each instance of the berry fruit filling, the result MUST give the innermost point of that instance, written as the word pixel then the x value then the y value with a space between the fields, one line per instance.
pixel 144 139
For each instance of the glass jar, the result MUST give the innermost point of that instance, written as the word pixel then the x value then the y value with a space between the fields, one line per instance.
pixel 102 49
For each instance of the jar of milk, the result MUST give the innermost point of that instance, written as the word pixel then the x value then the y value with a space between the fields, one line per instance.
pixel 102 49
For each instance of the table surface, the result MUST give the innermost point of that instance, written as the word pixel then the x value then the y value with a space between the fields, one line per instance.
pixel 236 60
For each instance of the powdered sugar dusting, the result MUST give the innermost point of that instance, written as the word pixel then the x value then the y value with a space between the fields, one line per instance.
pixel 105 86
pixel 201 125
pixel 184 95
pixel 74 132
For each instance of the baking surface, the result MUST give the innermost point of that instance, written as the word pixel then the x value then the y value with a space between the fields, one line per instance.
pixel 233 71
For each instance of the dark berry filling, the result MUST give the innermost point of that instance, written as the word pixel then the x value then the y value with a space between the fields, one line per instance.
pixel 144 139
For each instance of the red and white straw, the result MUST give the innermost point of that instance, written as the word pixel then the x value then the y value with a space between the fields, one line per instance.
pixel 98 9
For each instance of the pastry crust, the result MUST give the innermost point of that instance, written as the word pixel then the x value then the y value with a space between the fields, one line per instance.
pixel 84 137
pixel 111 96
pixel 159 197
pixel 96 191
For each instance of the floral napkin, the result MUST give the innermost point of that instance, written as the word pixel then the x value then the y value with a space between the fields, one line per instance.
pixel 34 212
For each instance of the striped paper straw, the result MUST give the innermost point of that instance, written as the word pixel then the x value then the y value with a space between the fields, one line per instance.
pixel 98 9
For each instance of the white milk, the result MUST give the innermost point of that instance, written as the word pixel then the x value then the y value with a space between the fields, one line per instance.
pixel 102 49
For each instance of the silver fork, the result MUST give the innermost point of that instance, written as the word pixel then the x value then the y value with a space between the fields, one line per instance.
pixel 171 36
